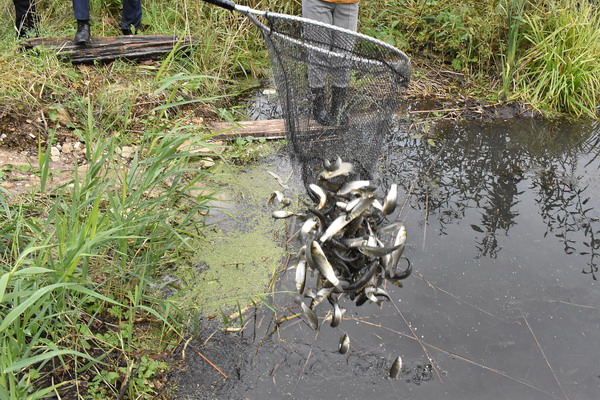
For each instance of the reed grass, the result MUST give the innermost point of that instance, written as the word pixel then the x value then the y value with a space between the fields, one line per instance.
pixel 560 70
pixel 83 253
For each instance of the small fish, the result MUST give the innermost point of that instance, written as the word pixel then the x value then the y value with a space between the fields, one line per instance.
pixel 320 193
pixel 376 251
pixel 337 315
pixel 344 345
pixel 352 203
pixel 396 368
pixel 361 207
pixel 354 242
pixel 276 195
pixel 321 295
pixel 279 180
pixel 313 321
pixel 352 186
pixel 332 166
pixel 400 243
pixel 377 205
pixel 345 169
pixel 322 264
pixel 300 279
pixel 389 204
pixel 279 214
pixel 341 205
pixel 334 228
pixel 308 227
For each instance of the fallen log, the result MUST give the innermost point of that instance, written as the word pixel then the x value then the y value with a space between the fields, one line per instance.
pixel 106 49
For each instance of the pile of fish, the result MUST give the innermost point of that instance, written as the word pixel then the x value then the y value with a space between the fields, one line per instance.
pixel 348 245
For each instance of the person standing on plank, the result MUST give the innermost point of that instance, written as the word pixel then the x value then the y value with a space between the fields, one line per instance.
pixel 343 14
pixel 131 16
pixel 25 18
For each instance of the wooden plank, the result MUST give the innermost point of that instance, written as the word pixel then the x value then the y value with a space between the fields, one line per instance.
pixel 272 129
pixel 110 48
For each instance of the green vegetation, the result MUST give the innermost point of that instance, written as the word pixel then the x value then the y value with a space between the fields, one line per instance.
pixel 78 308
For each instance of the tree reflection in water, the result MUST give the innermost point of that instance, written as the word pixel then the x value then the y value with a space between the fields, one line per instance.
pixel 487 167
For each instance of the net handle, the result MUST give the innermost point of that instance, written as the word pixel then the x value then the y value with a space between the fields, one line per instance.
pixel 226 4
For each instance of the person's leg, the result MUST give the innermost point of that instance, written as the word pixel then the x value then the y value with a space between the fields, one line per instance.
pixel 81 10
pixel 131 16
pixel 25 17
pixel 344 16
pixel 317 62
pixel 318 65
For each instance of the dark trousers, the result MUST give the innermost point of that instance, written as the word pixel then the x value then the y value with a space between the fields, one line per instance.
pixel 131 14
pixel 25 16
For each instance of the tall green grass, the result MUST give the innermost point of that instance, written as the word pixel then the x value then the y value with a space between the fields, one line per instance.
pixel 75 263
pixel 560 70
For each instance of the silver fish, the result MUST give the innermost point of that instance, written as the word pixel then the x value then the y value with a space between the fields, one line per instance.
pixel 349 187
pixel 320 193
pixel 389 204
pixel 354 242
pixel 321 295
pixel 400 243
pixel 377 205
pixel 337 315
pixel 276 195
pixel 334 228
pixel 308 227
pixel 352 203
pixel 322 264
pixel 344 169
pixel 361 207
pixel 341 205
pixel 313 321
pixel 300 279
pixel 344 345
pixel 376 251
pixel 396 368
pixel 279 214
pixel 279 180
pixel 332 166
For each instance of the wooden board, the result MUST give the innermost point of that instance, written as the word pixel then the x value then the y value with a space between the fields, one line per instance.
pixel 270 129
pixel 105 49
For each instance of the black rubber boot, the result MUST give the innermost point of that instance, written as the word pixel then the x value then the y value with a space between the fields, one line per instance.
pixel 319 111
pixel 338 104
pixel 83 32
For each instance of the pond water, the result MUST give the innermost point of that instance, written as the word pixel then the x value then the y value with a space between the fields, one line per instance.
pixel 503 223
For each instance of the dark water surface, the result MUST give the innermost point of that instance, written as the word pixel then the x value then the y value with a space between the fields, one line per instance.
pixel 503 225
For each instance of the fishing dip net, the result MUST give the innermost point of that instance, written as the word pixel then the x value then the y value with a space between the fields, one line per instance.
pixel 361 80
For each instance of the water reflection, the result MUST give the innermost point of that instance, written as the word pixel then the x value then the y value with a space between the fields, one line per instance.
pixel 488 167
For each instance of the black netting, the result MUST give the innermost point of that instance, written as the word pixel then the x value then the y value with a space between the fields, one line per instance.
pixel 362 75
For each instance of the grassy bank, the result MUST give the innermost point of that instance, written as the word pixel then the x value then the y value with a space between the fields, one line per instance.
pixel 77 260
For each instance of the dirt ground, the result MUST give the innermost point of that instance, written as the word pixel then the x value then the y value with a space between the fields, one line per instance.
pixel 434 93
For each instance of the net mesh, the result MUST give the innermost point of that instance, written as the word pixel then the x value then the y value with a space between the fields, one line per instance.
pixel 361 80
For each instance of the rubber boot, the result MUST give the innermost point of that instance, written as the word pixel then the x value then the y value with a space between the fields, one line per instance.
pixel 319 111
pixel 338 104
pixel 83 32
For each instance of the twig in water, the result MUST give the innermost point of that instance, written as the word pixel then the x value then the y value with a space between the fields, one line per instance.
pixel 421 277
pixel 546 358
pixel 210 362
